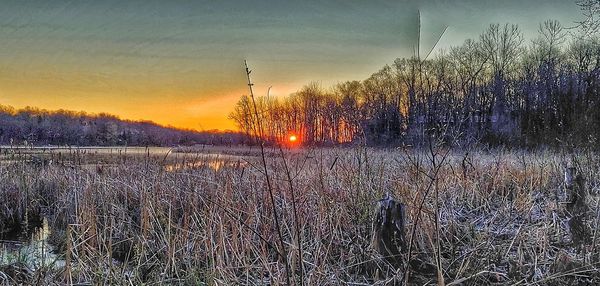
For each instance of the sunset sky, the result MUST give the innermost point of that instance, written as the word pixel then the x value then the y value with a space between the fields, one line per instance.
pixel 180 63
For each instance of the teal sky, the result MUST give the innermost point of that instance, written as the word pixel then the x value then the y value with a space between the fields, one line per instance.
pixel 180 63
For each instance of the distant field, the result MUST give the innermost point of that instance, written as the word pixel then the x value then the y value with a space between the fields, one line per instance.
pixel 153 151
pixel 202 215
pixel 100 155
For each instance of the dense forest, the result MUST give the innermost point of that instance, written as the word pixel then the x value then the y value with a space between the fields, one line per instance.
pixel 498 88
pixel 41 127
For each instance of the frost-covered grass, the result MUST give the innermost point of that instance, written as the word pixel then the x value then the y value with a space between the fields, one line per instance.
pixel 135 219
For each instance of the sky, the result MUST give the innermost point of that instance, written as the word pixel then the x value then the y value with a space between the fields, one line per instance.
pixel 181 63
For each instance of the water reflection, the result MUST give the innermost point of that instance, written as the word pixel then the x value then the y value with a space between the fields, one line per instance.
pixel 215 163
pixel 30 249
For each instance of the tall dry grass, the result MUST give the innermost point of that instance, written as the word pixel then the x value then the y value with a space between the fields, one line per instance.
pixel 135 221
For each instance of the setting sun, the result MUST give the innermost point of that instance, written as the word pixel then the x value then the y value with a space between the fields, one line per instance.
pixel 335 142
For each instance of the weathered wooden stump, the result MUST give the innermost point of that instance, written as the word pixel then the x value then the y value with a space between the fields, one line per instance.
pixel 576 206
pixel 388 230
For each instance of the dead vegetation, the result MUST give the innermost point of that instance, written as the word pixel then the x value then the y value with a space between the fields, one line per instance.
pixel 486 217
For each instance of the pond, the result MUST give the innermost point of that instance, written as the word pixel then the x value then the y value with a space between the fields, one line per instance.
pixel 29 247
pixel 215 162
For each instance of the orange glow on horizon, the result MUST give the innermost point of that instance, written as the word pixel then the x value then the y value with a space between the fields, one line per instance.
pixel 292 140
pixel 195 108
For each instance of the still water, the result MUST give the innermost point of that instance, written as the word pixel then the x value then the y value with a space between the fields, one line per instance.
pixel 30 248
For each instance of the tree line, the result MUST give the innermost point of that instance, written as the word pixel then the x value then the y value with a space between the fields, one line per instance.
pixel 67 128
pixel 497 88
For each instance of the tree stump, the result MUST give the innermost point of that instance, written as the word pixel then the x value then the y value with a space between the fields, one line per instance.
pixel 576 206
pixel 388 230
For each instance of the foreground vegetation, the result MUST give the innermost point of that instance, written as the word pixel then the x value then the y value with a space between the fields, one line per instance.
pixel 485 217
